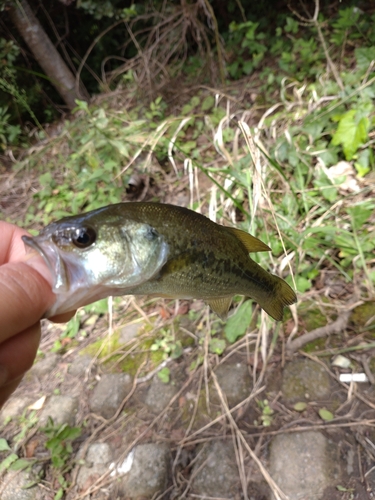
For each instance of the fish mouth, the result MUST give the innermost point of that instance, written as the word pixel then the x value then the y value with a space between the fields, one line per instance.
pixel 53 261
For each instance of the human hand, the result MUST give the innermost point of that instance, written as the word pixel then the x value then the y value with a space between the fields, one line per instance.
pixel 25 295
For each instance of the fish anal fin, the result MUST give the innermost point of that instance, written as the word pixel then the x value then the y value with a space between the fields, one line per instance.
pixel 220 306
pixel 251 243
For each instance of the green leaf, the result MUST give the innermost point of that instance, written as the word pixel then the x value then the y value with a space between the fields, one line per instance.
pixel 300 406
pixel 237 324
pixel 328 191
pixel 197 362
pixel 364 57
pixel 46 179
pixel 21 464
pixel 120 146
pixel 351 132
pixel 325 414
pixel 303 284
pixel 329 156
pixel 360 214
pixel 208 103
pixel 4 446
pixel 176 350
pixel 341 488
pixel 72 327
pixel 99 307
pixel 364 162
pixel 7 462
pixel 195 101
pixel 164 374
pixel 217 346
pixel 59 494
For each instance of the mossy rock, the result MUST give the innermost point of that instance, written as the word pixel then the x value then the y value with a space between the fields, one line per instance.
pixel 102 347
pixel 364 315
pixel 202 415
pixel 305 380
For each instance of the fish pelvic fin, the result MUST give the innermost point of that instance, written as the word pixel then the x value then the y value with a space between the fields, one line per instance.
pixel 220 306
pixel 251 243
pixel 283 296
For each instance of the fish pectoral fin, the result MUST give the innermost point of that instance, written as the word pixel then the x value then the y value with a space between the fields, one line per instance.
pixel 220 306
pixel 251 243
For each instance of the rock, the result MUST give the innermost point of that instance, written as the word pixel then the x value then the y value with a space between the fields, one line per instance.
pixel 79 365
pixel 148 474
pixel 12 486
pixel 99 453
pixel 160 394
pixel 128 332
pixel 109 393
pixel 235 382
pixel 45 366
pixel 302 465
pixel 14 408
pixel 215 472
pixel 62 410
pixel 98 457
pixel 258 491
pixel 87 476
pixel 305 380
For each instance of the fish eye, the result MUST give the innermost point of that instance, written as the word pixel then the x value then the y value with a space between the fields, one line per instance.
pixel 84 237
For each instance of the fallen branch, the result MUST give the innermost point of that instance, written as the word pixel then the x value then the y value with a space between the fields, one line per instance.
pixel 336 326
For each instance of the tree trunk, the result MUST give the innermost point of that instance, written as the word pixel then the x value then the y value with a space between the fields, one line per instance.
pixel 45 52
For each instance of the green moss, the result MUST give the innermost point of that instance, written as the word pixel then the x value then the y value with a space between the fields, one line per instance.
pixel 144 355
pixel 364 315
pixel 371 364
pixel 103 347
pixel 202 415
pixel 305 380
pixel 311 316
pixel 315 345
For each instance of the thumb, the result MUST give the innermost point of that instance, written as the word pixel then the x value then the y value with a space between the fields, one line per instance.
pixel 25 297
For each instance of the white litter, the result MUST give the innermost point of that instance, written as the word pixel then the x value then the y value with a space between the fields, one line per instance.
pixel 353 377
pixel 123 468
pixel 341 361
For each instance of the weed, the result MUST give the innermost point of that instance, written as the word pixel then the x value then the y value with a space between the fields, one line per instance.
pixel 167 344
pixel 59 443
pixel 164 375
pixel 267 413
pixel 12 461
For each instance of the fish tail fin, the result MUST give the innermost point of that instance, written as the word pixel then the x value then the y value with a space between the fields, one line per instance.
pixel 282 296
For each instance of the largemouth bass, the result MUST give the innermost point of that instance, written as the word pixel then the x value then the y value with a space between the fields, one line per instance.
pixel 159 250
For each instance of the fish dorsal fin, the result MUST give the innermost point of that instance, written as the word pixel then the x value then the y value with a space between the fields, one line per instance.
pixel 251 243
pixel 220 306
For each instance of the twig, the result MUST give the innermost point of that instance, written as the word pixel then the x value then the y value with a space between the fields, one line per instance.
pixel 104 480
pixel 323 331
pixel 349 388
pixel 279 495
pixel 314 20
